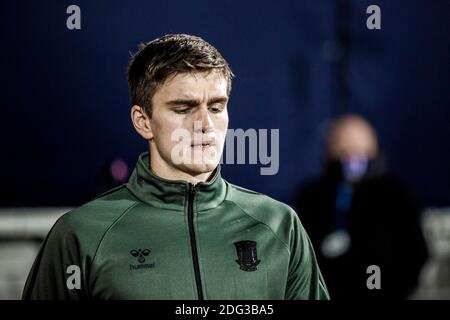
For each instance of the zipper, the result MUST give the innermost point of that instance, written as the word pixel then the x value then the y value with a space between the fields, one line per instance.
pixel 198 280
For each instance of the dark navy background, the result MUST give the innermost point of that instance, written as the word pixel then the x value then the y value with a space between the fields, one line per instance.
pixel 65 109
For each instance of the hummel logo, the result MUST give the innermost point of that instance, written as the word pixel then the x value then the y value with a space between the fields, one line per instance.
pixel 139 254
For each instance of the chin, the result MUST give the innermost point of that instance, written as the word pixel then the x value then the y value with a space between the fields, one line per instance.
pixel 196 169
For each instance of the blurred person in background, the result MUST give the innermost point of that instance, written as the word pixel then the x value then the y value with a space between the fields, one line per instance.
pixel 359 215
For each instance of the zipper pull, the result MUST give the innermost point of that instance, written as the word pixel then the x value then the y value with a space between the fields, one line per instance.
pixel 192 189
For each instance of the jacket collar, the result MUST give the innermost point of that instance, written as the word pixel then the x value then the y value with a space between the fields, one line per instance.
pixel 174 194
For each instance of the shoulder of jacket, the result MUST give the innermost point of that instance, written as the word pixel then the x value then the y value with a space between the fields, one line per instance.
pixel 92 219
pixel 255 200
pixel 276 215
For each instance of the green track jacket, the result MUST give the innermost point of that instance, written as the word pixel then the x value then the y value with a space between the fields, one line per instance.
pixel 158 239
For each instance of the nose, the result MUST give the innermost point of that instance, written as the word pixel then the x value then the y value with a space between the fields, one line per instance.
pixel 205 119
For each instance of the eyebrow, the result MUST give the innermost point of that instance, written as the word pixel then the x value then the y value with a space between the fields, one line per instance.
pixel 195 102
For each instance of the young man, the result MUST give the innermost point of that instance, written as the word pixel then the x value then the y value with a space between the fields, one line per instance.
pixel 177 230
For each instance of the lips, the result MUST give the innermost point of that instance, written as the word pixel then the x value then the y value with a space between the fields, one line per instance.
pixel 204 144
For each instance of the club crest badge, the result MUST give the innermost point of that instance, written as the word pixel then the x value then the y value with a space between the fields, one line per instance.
pixel 247 255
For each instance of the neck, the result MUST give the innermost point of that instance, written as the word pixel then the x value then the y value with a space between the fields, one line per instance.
pixel 164 170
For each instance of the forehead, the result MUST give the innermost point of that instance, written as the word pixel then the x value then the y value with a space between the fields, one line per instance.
pixel 354 133
pixel 352 136
pixel 196 84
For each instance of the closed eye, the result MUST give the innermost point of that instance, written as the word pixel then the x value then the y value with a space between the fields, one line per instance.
pixel 216 108
pixel 182 110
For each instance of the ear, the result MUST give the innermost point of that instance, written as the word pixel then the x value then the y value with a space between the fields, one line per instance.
pixel 141 122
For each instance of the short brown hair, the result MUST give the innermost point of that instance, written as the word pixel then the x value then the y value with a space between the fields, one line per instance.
pixel 168 56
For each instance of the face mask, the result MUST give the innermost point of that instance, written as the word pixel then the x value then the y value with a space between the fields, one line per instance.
pixel 354 168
